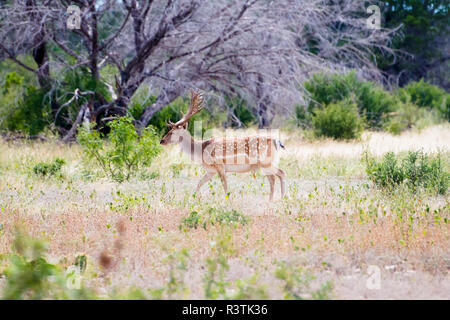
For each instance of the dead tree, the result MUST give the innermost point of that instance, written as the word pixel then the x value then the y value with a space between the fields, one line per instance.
pixel 260 50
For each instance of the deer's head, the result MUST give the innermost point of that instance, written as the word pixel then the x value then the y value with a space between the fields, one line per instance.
pixel 178 129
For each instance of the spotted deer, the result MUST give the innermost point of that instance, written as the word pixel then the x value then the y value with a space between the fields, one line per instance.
pixel 222 155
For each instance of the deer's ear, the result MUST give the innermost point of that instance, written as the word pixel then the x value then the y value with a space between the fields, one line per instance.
pixel 185 125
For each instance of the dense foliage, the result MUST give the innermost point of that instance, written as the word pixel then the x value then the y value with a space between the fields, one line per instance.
pixel 338 120
pixel 372 101
pixel 415 170
pixel 124 152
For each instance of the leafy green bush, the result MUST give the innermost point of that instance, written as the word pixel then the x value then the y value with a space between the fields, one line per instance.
pixel 24 107
pixel 303 118
pixel 426 95
pixel 297 283
pixel 124 152
pixel 192 221
pixel 372 101
pixel 409 116
pixel 30 276
pixel 228 217
pixel 49 169
pixel 338 120
pixel 415 170
pixel 214 216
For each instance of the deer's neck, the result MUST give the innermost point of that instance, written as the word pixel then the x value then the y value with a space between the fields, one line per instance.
pixel 191 146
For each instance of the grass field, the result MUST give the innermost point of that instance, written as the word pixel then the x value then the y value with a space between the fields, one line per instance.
pixel 151 233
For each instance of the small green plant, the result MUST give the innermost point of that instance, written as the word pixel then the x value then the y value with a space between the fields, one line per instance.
pixel 192 221
pixel 215 285
pixel 297 283
pixel 49 169
pixel 249 289
pixel 338 120
pixel 177 262
pixel 407 116
pixel 415 170
pixel 214 216
pixel 426 95
pixel 30 276
pixel 124 152
pixel 372 101
pixel 226 217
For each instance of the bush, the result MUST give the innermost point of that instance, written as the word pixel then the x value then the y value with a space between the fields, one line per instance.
pixel 409 116
pixel 297 283
pixel 372 101
pixel 426 95
pixel 415 170
pixel 125 152
pixel 26 108
pixel 49 169
pixel 338 120
pixel 30 276
pixel 214 216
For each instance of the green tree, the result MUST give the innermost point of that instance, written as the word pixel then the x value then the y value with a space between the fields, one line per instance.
pixel 424 34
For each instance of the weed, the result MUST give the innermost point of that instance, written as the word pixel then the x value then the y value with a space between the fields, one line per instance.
pixel 49 169
pixel 125 152
pixel 415 170
pixel 297 283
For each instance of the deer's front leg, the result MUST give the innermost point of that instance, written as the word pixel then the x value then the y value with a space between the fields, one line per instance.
pixel 221 172
pixel 205 179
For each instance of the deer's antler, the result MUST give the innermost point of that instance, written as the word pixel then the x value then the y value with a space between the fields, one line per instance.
pixel 195 106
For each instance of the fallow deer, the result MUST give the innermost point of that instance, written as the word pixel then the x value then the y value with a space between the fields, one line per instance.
pixel 222 155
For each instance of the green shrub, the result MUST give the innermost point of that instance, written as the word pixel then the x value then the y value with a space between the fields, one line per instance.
pixel 214 216
pixel 297 283
pixel 192 221
pixel 227 217
pixel 338 120
pixel 124 152
pixel 303 117
pixel 26 108
pixel 30 276
pixel 49 169
pixel 372 101
pixel 426 95
pixel 415 170
pixel 408 116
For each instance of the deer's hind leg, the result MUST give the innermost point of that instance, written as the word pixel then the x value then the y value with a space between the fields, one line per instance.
pixel 272 185
pixel 281 175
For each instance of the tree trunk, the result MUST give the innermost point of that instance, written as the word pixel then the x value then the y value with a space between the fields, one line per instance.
pixel 264 117
pixel 72 132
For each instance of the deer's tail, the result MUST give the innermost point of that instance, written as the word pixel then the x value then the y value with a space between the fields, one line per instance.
pixel 278 143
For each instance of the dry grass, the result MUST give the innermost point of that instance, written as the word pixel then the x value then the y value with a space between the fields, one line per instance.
pixel 332 222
